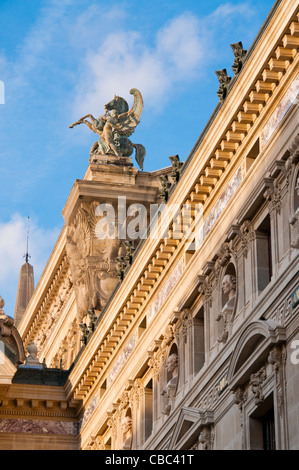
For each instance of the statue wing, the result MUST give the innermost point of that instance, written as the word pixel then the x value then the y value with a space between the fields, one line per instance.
pixel 127 122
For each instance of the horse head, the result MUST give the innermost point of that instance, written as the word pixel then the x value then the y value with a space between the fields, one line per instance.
pixel 119 104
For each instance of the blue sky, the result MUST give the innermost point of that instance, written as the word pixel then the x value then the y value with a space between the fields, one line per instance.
pixel 61 59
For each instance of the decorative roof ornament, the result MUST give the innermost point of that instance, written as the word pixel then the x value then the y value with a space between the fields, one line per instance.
pixel 165 187
pixel 224 81
pixel 6 322
pixel 32 359
pixel 114 128
pixel 176 168
pixel 2 304
pixel 239 54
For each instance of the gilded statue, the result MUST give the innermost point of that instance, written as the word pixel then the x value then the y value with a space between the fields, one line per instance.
pixel 114 128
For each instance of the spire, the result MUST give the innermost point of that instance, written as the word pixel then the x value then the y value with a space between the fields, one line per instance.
pixel 25 285
pixel 27 256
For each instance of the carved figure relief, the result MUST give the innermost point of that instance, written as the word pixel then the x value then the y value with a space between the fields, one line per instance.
pixel 256 381
pixel 93 260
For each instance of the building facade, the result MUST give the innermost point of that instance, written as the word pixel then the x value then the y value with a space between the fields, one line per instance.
pixel 187 338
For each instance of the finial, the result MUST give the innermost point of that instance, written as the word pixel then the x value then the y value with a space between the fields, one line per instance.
pixel 32 359
pixel 27 256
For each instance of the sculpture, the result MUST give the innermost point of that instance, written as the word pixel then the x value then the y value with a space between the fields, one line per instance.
pixel 229 289
pixel 85 332
pixel 224 81
pixel 176 168
pixel 225 318
pixel 114 128
pixel 126 427
pixel 11 334
pixel 6 322
pixel 240 55
pixel 168 393
pixel 165 187
pixel 172 368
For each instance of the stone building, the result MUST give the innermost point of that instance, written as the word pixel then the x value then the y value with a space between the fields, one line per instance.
pixel 188 337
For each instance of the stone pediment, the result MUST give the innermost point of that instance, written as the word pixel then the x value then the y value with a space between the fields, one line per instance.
pixel 189 424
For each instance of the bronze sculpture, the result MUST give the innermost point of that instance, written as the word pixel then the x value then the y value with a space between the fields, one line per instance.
pixel 114 128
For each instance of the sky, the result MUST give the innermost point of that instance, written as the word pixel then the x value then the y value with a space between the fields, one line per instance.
pixel 61 59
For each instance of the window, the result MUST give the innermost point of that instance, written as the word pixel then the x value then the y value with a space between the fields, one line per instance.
pixel 142 327
pixel 268 430
pixel 264 257
pixel 103 388
pixel 252 154
pixel 199 340
pixel 148 415
pixel 262 426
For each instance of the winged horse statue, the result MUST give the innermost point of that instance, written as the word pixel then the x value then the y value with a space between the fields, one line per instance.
pixel 115 127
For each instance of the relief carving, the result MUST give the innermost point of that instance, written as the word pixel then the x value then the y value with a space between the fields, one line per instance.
pixel 206 289
pixel 206 438
pixel 223 257
pixel 93 260
pixel 247 234
pixel 240 397
pixel 294 153
pixel 185 320
pixel 256 381
pixel 273 195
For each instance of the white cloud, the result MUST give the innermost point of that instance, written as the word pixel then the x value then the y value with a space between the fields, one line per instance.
pixel 111 58
pixel 183 50
pixel 124 61
pixel 228 11
pixel 179 44
pixel 13 248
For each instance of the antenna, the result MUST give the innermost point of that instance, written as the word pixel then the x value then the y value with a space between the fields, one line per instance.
pixel 27 256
